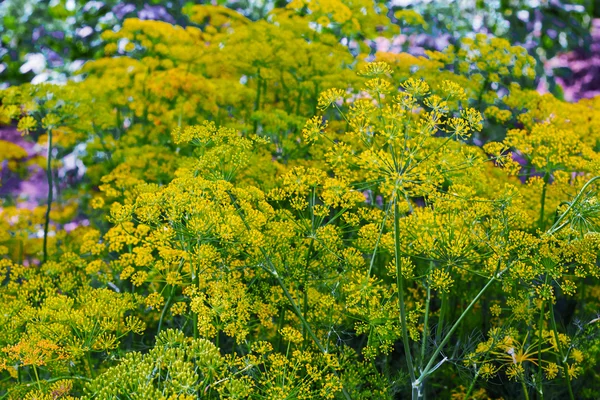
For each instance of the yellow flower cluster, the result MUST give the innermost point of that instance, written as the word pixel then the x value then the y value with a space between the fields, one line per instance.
pixel 279 218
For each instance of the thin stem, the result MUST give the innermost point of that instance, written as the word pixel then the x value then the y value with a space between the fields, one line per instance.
pixel 525 391
pixel 472 385
pixel 88 360
pixel 558 225
pixel 543 201
pixel 478 371
pixel 37 378
pixel 305 281
pixel 298 312
pixel 195 316
pixel 440 347
pixel 341 113
pixel 400 287
pixel 440 326
pixel 280 327
pixel 47 381
pixel 426 321
pixel 164 310
pixel 377 241
pixel 50 194
pixel 309 254
pixel 540 341
pixel 561 354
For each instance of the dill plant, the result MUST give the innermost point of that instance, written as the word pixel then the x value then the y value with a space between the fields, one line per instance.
pixel 282 219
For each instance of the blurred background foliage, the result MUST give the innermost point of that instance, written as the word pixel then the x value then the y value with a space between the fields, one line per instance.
pixel 48 40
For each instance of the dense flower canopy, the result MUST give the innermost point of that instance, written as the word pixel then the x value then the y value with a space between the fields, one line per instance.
pixel 272 209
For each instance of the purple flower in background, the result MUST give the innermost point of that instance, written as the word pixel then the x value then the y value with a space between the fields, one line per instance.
pixel 31 190
pixel 582 79
pixel 54 59
pixel 155 12
pixel 122 9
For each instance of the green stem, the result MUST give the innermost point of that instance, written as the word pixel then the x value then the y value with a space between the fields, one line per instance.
pixel 195 326
pixel 440 347
pixel 400 286
pixel 558 225
pixel 561 354
pixel 88 360
pixel 341 113
pixel 378 240
pixel 525 391
pixel 478 371
pixel 440 326
pixel 540 341
pixel 425 325
pixel 472 385
pixel 37 378
pixel 543 201
pixel 280 327
pixel 164 310
pixel 425 321
pixel 305 281
pixel 50 194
